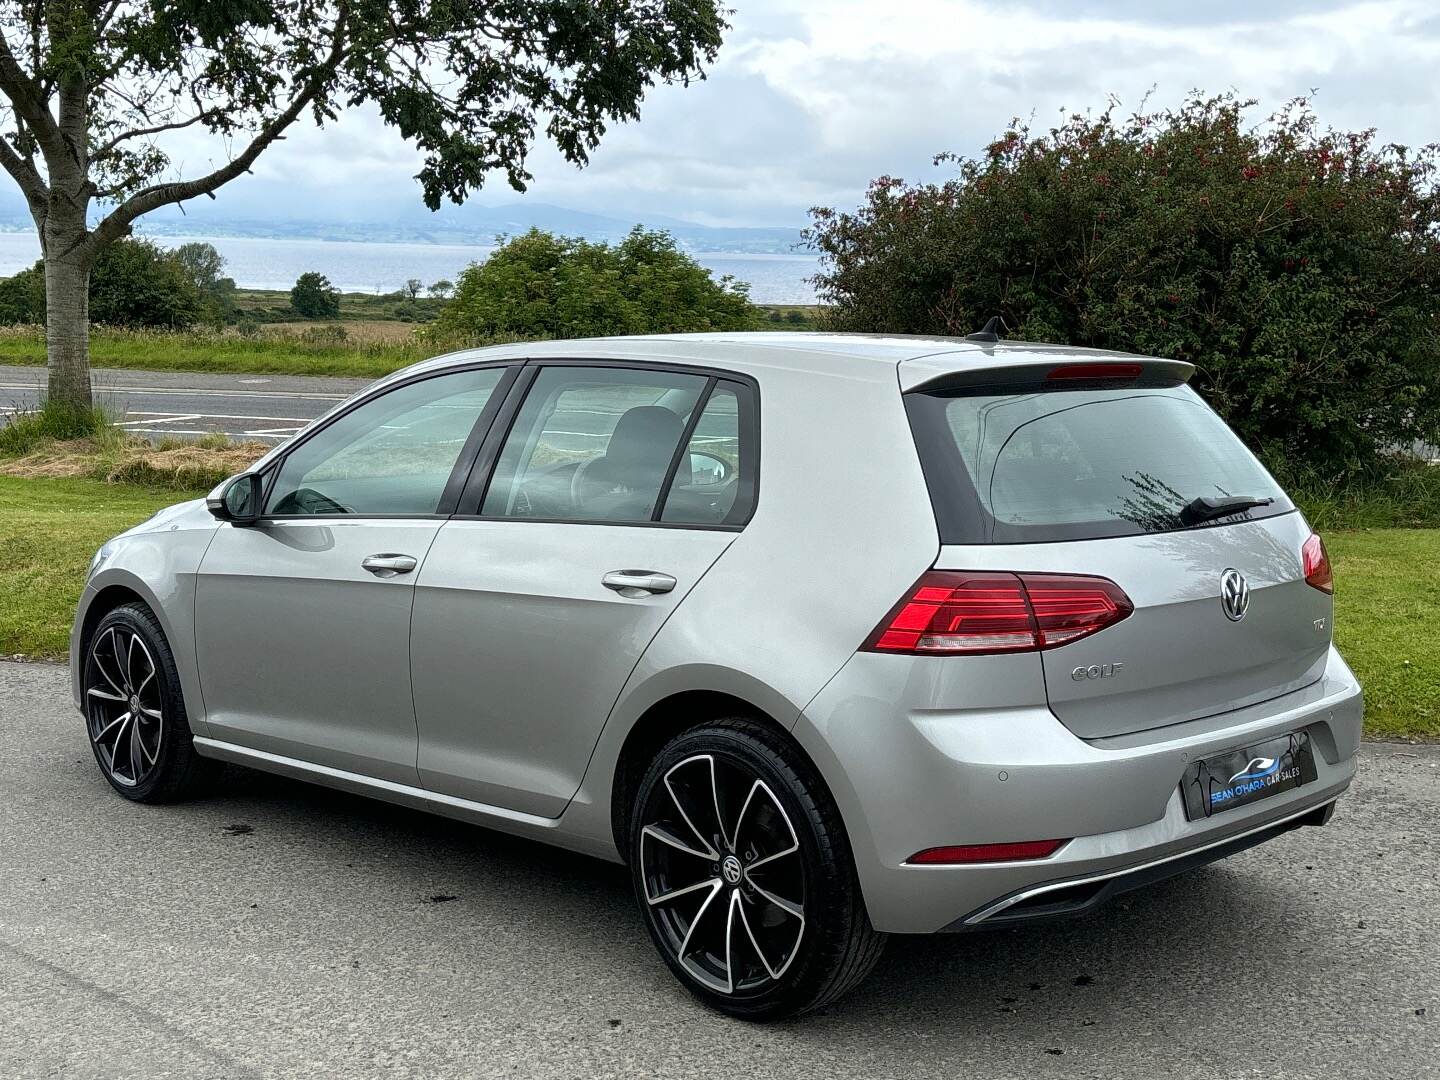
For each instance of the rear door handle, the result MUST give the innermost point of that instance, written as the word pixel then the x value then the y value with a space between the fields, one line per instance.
pixel 388 564
pixel 637 583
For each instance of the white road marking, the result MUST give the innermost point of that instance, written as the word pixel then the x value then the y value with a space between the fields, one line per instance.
pixel 227 416
pixel 161 418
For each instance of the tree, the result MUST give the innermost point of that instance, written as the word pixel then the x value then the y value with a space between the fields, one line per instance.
pixel 205 267
pixel 133 283
pixel 1297 267
pixel 313 297
pixel 540 285
pixel 92 87
pixel 441 290
pixel 411 289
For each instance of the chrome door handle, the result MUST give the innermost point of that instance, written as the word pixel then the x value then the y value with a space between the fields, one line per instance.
pixel 388 564
pixel 637 583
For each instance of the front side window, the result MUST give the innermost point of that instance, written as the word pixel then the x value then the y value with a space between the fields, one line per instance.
pixel 392 455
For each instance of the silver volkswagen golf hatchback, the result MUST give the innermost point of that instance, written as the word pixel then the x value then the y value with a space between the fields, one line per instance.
pixel 825 637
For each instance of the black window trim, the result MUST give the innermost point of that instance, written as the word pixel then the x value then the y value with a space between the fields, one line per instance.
pixel 482 470
pixel 454 485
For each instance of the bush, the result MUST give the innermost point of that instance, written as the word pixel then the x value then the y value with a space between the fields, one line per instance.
pixel 1296 267
pixel 313 297
pixel 133 283
pixel 540 285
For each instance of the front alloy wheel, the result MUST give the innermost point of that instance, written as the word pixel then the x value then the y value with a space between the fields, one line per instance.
pixel 134 710
pixel 744 873
pixel 124 706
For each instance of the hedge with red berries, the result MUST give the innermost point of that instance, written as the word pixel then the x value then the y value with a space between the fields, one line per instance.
pixel 1296 266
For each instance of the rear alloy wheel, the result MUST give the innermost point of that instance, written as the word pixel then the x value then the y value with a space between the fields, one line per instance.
pixel 745 875
pixel 134 713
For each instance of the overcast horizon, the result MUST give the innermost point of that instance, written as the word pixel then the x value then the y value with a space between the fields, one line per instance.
pixel 810 100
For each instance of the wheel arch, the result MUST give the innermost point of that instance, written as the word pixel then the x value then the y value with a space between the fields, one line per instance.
pixel 670 716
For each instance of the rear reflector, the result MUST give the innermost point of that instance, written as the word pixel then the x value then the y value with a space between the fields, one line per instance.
pixel 983 853
pixel 966 613
pixel 1095 371
pixel 1316 561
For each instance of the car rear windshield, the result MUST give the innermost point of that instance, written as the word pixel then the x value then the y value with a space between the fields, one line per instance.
pixel 1032 465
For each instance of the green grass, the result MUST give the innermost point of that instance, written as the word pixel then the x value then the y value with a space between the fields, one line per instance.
pixel 1387 596
pixel 48 531
pixel 200 350
pixel 28 431
pixel 1388 590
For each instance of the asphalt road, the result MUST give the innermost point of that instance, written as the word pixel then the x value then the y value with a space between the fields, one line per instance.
pixel 278 929
pixel 265 408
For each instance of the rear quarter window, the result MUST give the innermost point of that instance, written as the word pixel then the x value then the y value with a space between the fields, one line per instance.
pixel 1034 465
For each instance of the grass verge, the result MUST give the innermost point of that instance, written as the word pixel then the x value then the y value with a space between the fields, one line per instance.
pixel 1387 592
pixel 317 350
pixel 48 531
pixel 1388 589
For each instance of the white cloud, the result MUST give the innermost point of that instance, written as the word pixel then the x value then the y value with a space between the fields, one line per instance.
pixel 813 98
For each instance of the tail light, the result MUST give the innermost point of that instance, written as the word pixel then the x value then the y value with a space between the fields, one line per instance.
pixel 983 853
pixel 1316 561
pixel 963 613
pixel 1089 372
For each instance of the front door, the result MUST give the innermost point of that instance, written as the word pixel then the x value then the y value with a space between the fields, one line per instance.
pixel 615 491
pixel 302 621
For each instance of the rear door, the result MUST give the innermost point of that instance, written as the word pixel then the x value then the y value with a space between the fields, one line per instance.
pixel 1094 476
pixel 613 493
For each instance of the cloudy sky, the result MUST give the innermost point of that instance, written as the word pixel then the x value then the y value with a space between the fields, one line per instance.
pixel 812 98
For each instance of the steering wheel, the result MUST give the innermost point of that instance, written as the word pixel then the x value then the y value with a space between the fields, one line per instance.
pixel 577 483
pixel 309 501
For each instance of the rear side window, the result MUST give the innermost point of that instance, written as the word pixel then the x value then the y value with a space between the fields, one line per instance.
pixel 1037 465
pixel 609 444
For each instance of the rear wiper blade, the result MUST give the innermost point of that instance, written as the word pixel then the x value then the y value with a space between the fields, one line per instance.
pixel 1205 509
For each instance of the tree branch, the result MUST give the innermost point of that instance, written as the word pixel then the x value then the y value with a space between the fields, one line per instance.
pixel 25 174
pixel 135 133
pixel 150 198
pixel 29 103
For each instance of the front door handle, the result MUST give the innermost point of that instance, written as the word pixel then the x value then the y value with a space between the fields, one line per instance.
pixel 637 583
pixel 388 564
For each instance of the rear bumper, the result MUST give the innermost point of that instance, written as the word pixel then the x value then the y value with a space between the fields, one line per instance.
pixel 909 775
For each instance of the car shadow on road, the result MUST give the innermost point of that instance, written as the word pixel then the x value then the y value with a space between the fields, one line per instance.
pixel 1148 957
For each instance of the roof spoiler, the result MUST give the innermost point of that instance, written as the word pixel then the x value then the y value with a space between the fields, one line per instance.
pixel 1052 369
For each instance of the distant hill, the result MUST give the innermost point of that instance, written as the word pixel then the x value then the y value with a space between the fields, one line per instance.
pixel 467 225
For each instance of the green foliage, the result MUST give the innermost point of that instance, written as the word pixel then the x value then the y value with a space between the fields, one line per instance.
pixel 205 267
pixel 313 297
pixel 133 283
pixel 1296 266
pixel 471 85
pixel 22 297
pixel 1392 492
pixel 27 430
pixel 540 285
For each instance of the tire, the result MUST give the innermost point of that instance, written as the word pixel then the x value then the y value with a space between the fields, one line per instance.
pixel 743 873
pixel 134 711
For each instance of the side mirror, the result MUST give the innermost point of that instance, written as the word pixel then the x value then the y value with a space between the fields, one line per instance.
pixel 237 500
pixel 707 469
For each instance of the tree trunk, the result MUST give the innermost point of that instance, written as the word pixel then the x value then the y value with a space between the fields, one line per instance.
pixel 67 329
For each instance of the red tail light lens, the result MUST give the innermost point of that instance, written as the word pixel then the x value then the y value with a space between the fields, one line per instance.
pixel 981 853
pixel 1316 561
pixel 966 613
pixel 1094 371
